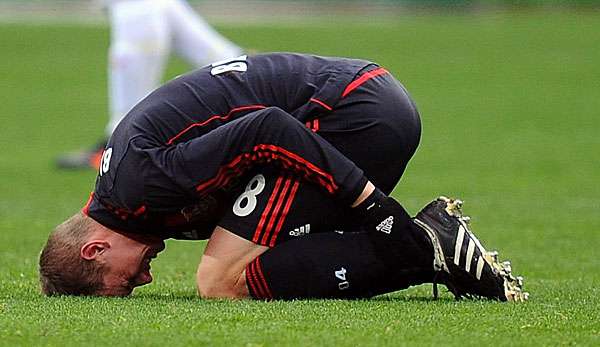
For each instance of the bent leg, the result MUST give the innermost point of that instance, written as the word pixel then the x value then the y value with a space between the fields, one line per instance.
pixel 220 272
pixel 194 39
pixel 377 126
pixel 326 265
pixel 331 265
pixel 268 136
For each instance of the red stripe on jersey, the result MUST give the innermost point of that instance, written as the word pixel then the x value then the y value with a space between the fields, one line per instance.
pixel 362 79
pixel 265 153
pixel 324 105
pixel 315 125
pixel 86 208
pixel 261 276
pixel 328 179
pixel 286 209
pixel 220 174
pixel 274 217
pixel 250 281
pixel 215 117
pixel 265 214
pixel 231 170
pixel 140 211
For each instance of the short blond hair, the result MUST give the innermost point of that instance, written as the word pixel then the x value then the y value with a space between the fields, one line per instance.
pixel 62 269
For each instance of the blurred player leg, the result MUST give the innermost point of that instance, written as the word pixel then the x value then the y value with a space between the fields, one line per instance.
pixel 194 39
pixel 138 53
pixel 142 32
pixel 139 49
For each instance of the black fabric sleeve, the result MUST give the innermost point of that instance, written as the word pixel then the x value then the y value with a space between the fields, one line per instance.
pixel 268 136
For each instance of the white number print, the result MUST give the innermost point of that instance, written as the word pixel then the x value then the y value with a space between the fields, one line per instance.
pixel 341 275
pixel 246 202
pixel 105 161
pixel 236 64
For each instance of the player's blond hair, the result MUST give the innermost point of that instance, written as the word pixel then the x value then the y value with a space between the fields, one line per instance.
pixel 62 269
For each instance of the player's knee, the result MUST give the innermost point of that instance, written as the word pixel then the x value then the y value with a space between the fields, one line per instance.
pixel 216 290
pixel 274 118
pixel 210 291
pixel 213 284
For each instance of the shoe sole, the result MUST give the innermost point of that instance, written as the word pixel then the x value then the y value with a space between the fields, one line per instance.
pixel 513 286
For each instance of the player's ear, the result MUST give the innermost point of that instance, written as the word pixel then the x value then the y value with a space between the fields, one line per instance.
pixel 92 249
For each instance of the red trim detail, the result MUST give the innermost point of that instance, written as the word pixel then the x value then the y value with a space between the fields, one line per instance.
pixel 273 219
pixel 262 293
pixel 262 278
pixel 313 125
pixel 329 182
pixel 265 153
pixel 263 217
pixel 286 209
pixel 220 175
pixel 362 79
pixel 86 208
pixel 250 280
pixel 215 117
pixel 324 105
pixel 140 211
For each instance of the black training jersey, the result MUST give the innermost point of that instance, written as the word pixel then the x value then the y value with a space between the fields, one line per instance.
pixel 189 106
pixel 143 187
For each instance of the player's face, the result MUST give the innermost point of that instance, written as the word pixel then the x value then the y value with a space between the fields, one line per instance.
pixel 127 262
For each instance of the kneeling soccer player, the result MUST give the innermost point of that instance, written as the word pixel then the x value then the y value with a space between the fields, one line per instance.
pixel 285 162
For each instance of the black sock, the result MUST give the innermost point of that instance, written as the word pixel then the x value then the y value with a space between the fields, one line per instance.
pixel 331 265
pixel 371 201
pixel 377 208
pixel 391 228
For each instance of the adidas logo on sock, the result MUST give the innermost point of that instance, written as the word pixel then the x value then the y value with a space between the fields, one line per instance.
pixel 386 225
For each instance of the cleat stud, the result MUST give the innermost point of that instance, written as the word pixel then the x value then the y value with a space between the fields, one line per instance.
pixel 458 203
pixel 494 256
pixel 452 208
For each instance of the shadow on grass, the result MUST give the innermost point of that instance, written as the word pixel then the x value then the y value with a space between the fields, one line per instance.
pixel 190 297
pixel 170 295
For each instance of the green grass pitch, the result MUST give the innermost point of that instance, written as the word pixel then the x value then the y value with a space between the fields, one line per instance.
pixel 510 106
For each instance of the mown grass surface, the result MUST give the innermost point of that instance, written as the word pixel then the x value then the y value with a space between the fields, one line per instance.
pixel 509 104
